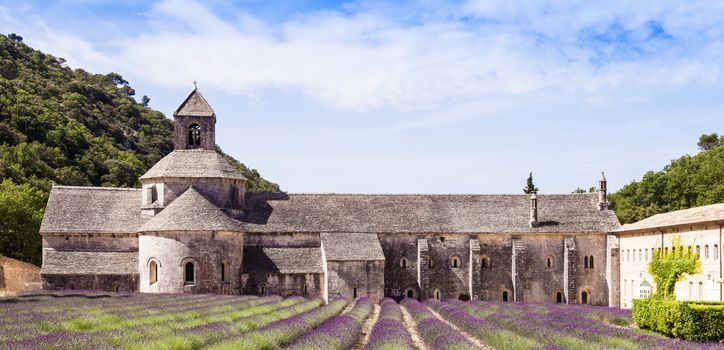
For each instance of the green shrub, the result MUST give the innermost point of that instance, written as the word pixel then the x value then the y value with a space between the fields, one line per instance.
pixel 698 321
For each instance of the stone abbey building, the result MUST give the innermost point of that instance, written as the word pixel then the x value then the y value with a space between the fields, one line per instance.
pixel 193 227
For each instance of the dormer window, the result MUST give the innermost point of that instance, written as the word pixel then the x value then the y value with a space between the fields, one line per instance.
pixel 194 135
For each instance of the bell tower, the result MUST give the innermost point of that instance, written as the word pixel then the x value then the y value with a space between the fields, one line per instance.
pixel 194 124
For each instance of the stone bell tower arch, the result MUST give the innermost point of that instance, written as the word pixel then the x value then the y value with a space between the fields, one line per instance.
pixel 194 124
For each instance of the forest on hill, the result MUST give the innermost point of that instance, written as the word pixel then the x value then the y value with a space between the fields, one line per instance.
pixel 70 127
pixel 688 181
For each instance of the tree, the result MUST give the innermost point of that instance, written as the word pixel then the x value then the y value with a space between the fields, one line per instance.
pixel 529 186
pixel 669 267
pixel 145 100
pixel 590 190
pixel 21 210
pixel 710 141
pixel 16 38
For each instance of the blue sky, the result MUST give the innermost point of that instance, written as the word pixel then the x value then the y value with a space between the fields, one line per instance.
pixel 423 97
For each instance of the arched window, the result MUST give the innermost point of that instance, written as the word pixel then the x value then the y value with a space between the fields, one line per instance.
pixel 455 262
pixel 590 261
pixel 706 252
pixel 431 263
pixel 437 294
pixel 189 273
pixel 716 252
pixel 194 135
pixel 691 290
pixel 116 288
pixel 701 291
pixel 585 261
pixel 639 255
pixel 549 262
pixel 698 251
pixel 559 297
pixel 152 272
pixel 306 290
pixel 403 263
pixel 584 297
pixel 354 292
pixel 628 255
pixel 505 296
pixel 262 289
pixel 485 262
pixel 646 254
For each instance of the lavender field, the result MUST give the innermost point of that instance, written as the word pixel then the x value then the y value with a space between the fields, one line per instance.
pixel 147 321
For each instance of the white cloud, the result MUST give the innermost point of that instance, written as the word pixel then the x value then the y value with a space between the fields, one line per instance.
pixel 363 58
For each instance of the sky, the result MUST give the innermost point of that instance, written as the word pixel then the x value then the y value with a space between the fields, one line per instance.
pixel 415 97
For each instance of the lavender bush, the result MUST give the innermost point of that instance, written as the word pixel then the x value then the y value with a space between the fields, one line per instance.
pixel 338 333
pixel 436 334
pixel 284 331
pixel 389 332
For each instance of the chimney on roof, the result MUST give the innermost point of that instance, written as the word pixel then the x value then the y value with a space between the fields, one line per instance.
pixel 533 210
pixel 602 193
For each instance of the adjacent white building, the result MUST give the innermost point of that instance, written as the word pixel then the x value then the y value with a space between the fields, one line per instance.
pixel 700 228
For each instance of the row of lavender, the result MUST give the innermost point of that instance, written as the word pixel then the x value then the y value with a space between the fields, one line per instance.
pixel 284 331
pixel 525 325
pixel 338 333
pixel 436 333
pixel 389 332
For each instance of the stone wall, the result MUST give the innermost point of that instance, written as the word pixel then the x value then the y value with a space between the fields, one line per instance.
pixel 224 193
pixel 400 280
pixel 17 276
pixel 206 250
pixel 109 283
pixel 286 240
pixel 452 282
pixel 496 278
pixel 92 242
pixel 309 285
pixel 592 280
pixel 181 132
pixel 367 277
pixel 540 282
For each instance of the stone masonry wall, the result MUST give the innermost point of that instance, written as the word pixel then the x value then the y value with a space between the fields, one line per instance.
pixel 283 284
pixel 17 276
pixel 207 250
pixel 366 276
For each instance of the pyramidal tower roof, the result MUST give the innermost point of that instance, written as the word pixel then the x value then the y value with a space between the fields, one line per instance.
pixel 195 105
pixel 191 212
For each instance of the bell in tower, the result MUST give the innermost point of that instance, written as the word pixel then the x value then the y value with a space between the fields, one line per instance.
pixel 194 124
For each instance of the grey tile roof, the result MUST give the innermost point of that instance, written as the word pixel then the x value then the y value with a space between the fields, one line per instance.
pixel 73 209
pixel 282 260
pixel 89 263
pixel 281 212
pixel 193 163
pixel 191 212
pixel 708 213
pixel 195 105
pixel 352 246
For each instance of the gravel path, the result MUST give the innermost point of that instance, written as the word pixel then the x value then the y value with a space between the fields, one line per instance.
pixel 410 325
pixel 472 339
pixel 367 327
